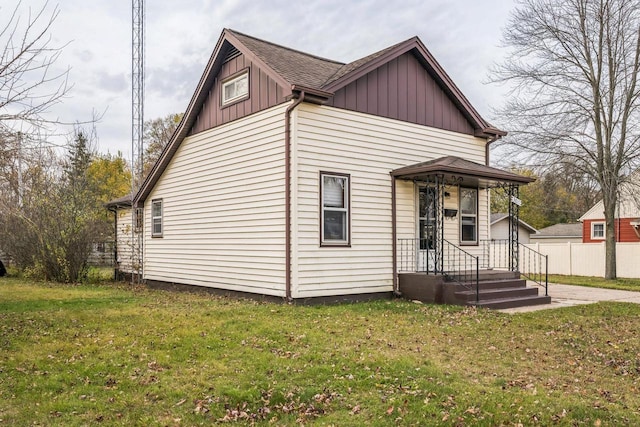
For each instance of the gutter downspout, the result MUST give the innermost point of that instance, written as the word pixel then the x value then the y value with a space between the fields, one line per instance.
pixel 486 148
pixel 287 184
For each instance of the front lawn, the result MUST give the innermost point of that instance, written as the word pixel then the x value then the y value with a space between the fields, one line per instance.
pixel 597 282
pixel 116 355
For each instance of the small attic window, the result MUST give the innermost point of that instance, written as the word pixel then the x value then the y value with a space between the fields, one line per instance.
pixel 236 88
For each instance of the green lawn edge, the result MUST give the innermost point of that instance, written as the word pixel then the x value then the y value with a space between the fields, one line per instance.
pixel 623 284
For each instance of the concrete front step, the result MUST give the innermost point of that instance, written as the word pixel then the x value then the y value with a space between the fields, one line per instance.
pixel 496 293
pixel 485 275
pixel 497 284
pixel 502 303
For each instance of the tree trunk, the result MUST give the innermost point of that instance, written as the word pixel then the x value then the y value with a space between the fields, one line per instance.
pixel 610 237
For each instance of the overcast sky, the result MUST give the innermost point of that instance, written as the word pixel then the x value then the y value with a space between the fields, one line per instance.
pixel 463 35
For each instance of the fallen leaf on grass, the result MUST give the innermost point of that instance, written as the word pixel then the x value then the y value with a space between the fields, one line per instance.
pixel 201 407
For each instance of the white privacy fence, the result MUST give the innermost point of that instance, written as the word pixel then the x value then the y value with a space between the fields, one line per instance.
pixel 587 259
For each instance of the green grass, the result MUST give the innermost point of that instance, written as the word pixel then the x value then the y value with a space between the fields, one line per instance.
pixel 597 282
pixel 115 355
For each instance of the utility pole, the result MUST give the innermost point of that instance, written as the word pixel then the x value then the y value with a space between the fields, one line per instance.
pixel 137 133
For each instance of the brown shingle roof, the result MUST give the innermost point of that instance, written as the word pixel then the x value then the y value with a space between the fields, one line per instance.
pixel 298 68
pixel 561 230
pixel 352 66
pixel 120 202
pixel 456 165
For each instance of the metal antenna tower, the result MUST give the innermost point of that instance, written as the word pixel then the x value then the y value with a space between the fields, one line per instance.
pixel 137 132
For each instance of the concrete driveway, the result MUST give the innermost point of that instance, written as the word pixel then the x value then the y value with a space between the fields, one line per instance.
pixel 570 295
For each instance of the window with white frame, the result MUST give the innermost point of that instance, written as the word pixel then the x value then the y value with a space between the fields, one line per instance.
pixel 468 216
pixel 235 88
pixel 156 218
pixel 597 230
pixel 334 228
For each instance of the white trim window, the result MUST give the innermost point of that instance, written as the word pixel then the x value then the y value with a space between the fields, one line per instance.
pixel 235 88
pixel 334 203
pixel 597 230
pixel 468 216
pixel 156 218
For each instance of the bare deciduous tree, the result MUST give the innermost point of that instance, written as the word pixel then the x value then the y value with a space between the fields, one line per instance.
pixel 29 83
pixel 574 67
pixel 29 86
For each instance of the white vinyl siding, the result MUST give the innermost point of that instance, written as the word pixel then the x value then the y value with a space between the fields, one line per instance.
pixel 367 148
pixel 223 209
pixel 500 231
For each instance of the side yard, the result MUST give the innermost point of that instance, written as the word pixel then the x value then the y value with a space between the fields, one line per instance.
pixel 112 354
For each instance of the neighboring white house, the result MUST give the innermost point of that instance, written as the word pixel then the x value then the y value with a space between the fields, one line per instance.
pixel 500 228
pixel 296 177
pixel 627 216
pixel 125 259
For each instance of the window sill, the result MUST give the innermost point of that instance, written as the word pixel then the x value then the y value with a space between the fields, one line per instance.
pixel 234 102
pixel 335 245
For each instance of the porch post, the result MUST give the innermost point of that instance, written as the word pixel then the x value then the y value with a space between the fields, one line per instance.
pixel 394 248
pixel 514 213
pixel 439 237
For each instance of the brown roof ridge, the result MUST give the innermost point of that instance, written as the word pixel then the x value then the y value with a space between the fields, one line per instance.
pixel 354 65
pixel 292 66
pixel 311 55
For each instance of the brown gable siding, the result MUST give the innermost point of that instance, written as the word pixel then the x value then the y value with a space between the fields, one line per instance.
pixel 624 231
pixel 403 89
pixel 264 93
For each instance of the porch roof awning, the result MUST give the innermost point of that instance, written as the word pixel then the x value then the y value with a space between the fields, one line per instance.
pixel 461 171
pixel 120 202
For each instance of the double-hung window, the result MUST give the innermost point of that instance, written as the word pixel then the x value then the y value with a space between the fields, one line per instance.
pixel 236 88
pixel 156 218
pixel 334 203
pixel 597 231
pixel 468 216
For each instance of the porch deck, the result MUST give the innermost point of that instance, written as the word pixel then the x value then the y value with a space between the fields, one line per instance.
pixel 496 289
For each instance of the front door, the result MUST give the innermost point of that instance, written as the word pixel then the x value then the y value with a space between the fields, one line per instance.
pixel 427 227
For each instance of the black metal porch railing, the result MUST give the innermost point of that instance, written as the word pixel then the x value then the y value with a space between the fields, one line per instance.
pixel 461 267
pixel 455 264
pixel 532 265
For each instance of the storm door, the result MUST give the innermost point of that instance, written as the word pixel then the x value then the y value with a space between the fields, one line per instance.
pixel 427 227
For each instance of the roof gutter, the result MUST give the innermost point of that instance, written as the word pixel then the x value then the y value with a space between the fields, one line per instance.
pixel 287 191
pixel 490 141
